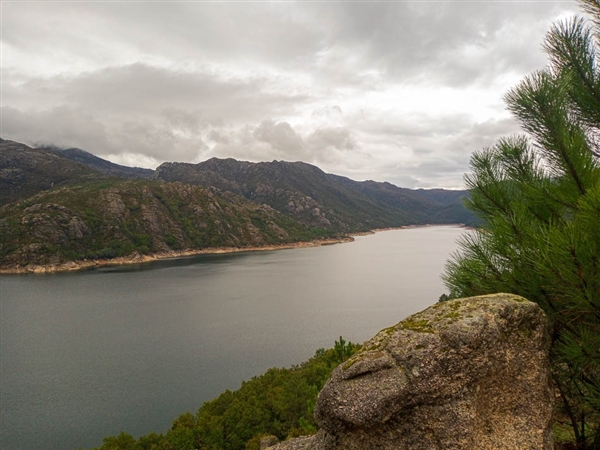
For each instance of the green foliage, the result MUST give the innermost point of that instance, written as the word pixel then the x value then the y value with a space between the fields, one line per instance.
pixel 313 197
pixel 538 196
pixel 123 441
pixel 172 242
pixel 280 402
pixel 150 441
pixel 109 219
pixel 343 350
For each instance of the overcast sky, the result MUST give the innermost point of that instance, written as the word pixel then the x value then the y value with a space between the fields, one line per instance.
pixel 398 91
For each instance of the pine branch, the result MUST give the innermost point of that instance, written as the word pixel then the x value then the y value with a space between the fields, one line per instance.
pixel 592 7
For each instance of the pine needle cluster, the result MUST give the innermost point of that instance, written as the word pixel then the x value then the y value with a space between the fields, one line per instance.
pixel 538 195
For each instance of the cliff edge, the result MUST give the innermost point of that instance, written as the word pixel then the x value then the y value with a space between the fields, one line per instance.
pixel 465 374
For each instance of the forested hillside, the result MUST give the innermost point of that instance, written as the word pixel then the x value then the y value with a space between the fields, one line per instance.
pixel 280 403
pixel 62 205
pixel 318 199
pixel 114 218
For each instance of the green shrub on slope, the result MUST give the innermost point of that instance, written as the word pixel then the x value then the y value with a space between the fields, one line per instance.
pixel 280 402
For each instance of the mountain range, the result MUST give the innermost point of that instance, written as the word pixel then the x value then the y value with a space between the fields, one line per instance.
pixel 58 205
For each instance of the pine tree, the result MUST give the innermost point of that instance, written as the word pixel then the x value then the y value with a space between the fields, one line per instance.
pixel 538 195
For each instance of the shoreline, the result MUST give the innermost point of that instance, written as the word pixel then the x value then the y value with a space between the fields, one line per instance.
pixel 408 227
pixel 137 258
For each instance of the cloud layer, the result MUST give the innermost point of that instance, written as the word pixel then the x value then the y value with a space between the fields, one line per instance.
pixel 396 91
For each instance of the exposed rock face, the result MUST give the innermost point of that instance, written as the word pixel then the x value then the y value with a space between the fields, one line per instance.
pixel 117 218
pixel 317 199
pixel 465 374
pixel 268 441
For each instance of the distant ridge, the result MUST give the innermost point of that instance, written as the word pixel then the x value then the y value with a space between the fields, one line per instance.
pixel 316 198
pixel 25 171
pixel 300 190
pixel 104 166
pixel 63 206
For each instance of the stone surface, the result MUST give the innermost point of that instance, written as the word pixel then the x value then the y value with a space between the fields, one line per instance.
pixel 268 441
pixel 465 374
pixel 301 443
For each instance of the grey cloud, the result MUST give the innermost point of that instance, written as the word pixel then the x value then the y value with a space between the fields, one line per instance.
pixel 339 138
pixel 219 137
pixel 69 127
pixel 141 87
pixel 61 126
pixel 186 81
pixel 356 43
pixel 184 120
pixel 279 140
pixel 447 42
pixel 329 114
pixel 188 32
pixel 436 156
pixel 281 136
pixel 419 125
pixel 161 113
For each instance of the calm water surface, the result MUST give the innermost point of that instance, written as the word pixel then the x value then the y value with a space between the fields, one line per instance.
pixel 89 354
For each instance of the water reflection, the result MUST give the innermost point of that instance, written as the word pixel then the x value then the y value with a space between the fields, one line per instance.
pixel 88 354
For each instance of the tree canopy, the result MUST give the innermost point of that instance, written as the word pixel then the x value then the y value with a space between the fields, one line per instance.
pixel 279 402
pixel 538 195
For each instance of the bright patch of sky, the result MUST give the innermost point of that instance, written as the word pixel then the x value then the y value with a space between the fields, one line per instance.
pixel 391 91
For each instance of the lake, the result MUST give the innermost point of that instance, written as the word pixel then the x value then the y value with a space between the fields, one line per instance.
pixel 128 348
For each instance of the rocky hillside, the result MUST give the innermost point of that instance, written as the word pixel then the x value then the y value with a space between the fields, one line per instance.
pixel 108 219
pixel 66 205
pixel 300 190
pixel 467 374
pixel 104 166
pixel 315 198
pixel 432 206
pixel 25 171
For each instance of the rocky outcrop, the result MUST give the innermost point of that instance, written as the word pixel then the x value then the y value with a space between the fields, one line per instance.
pixel 317 199
pixel 97 221
pixel 268 441
pixel 465 374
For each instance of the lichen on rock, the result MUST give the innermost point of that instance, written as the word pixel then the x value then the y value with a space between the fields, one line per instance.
pixel 465 374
